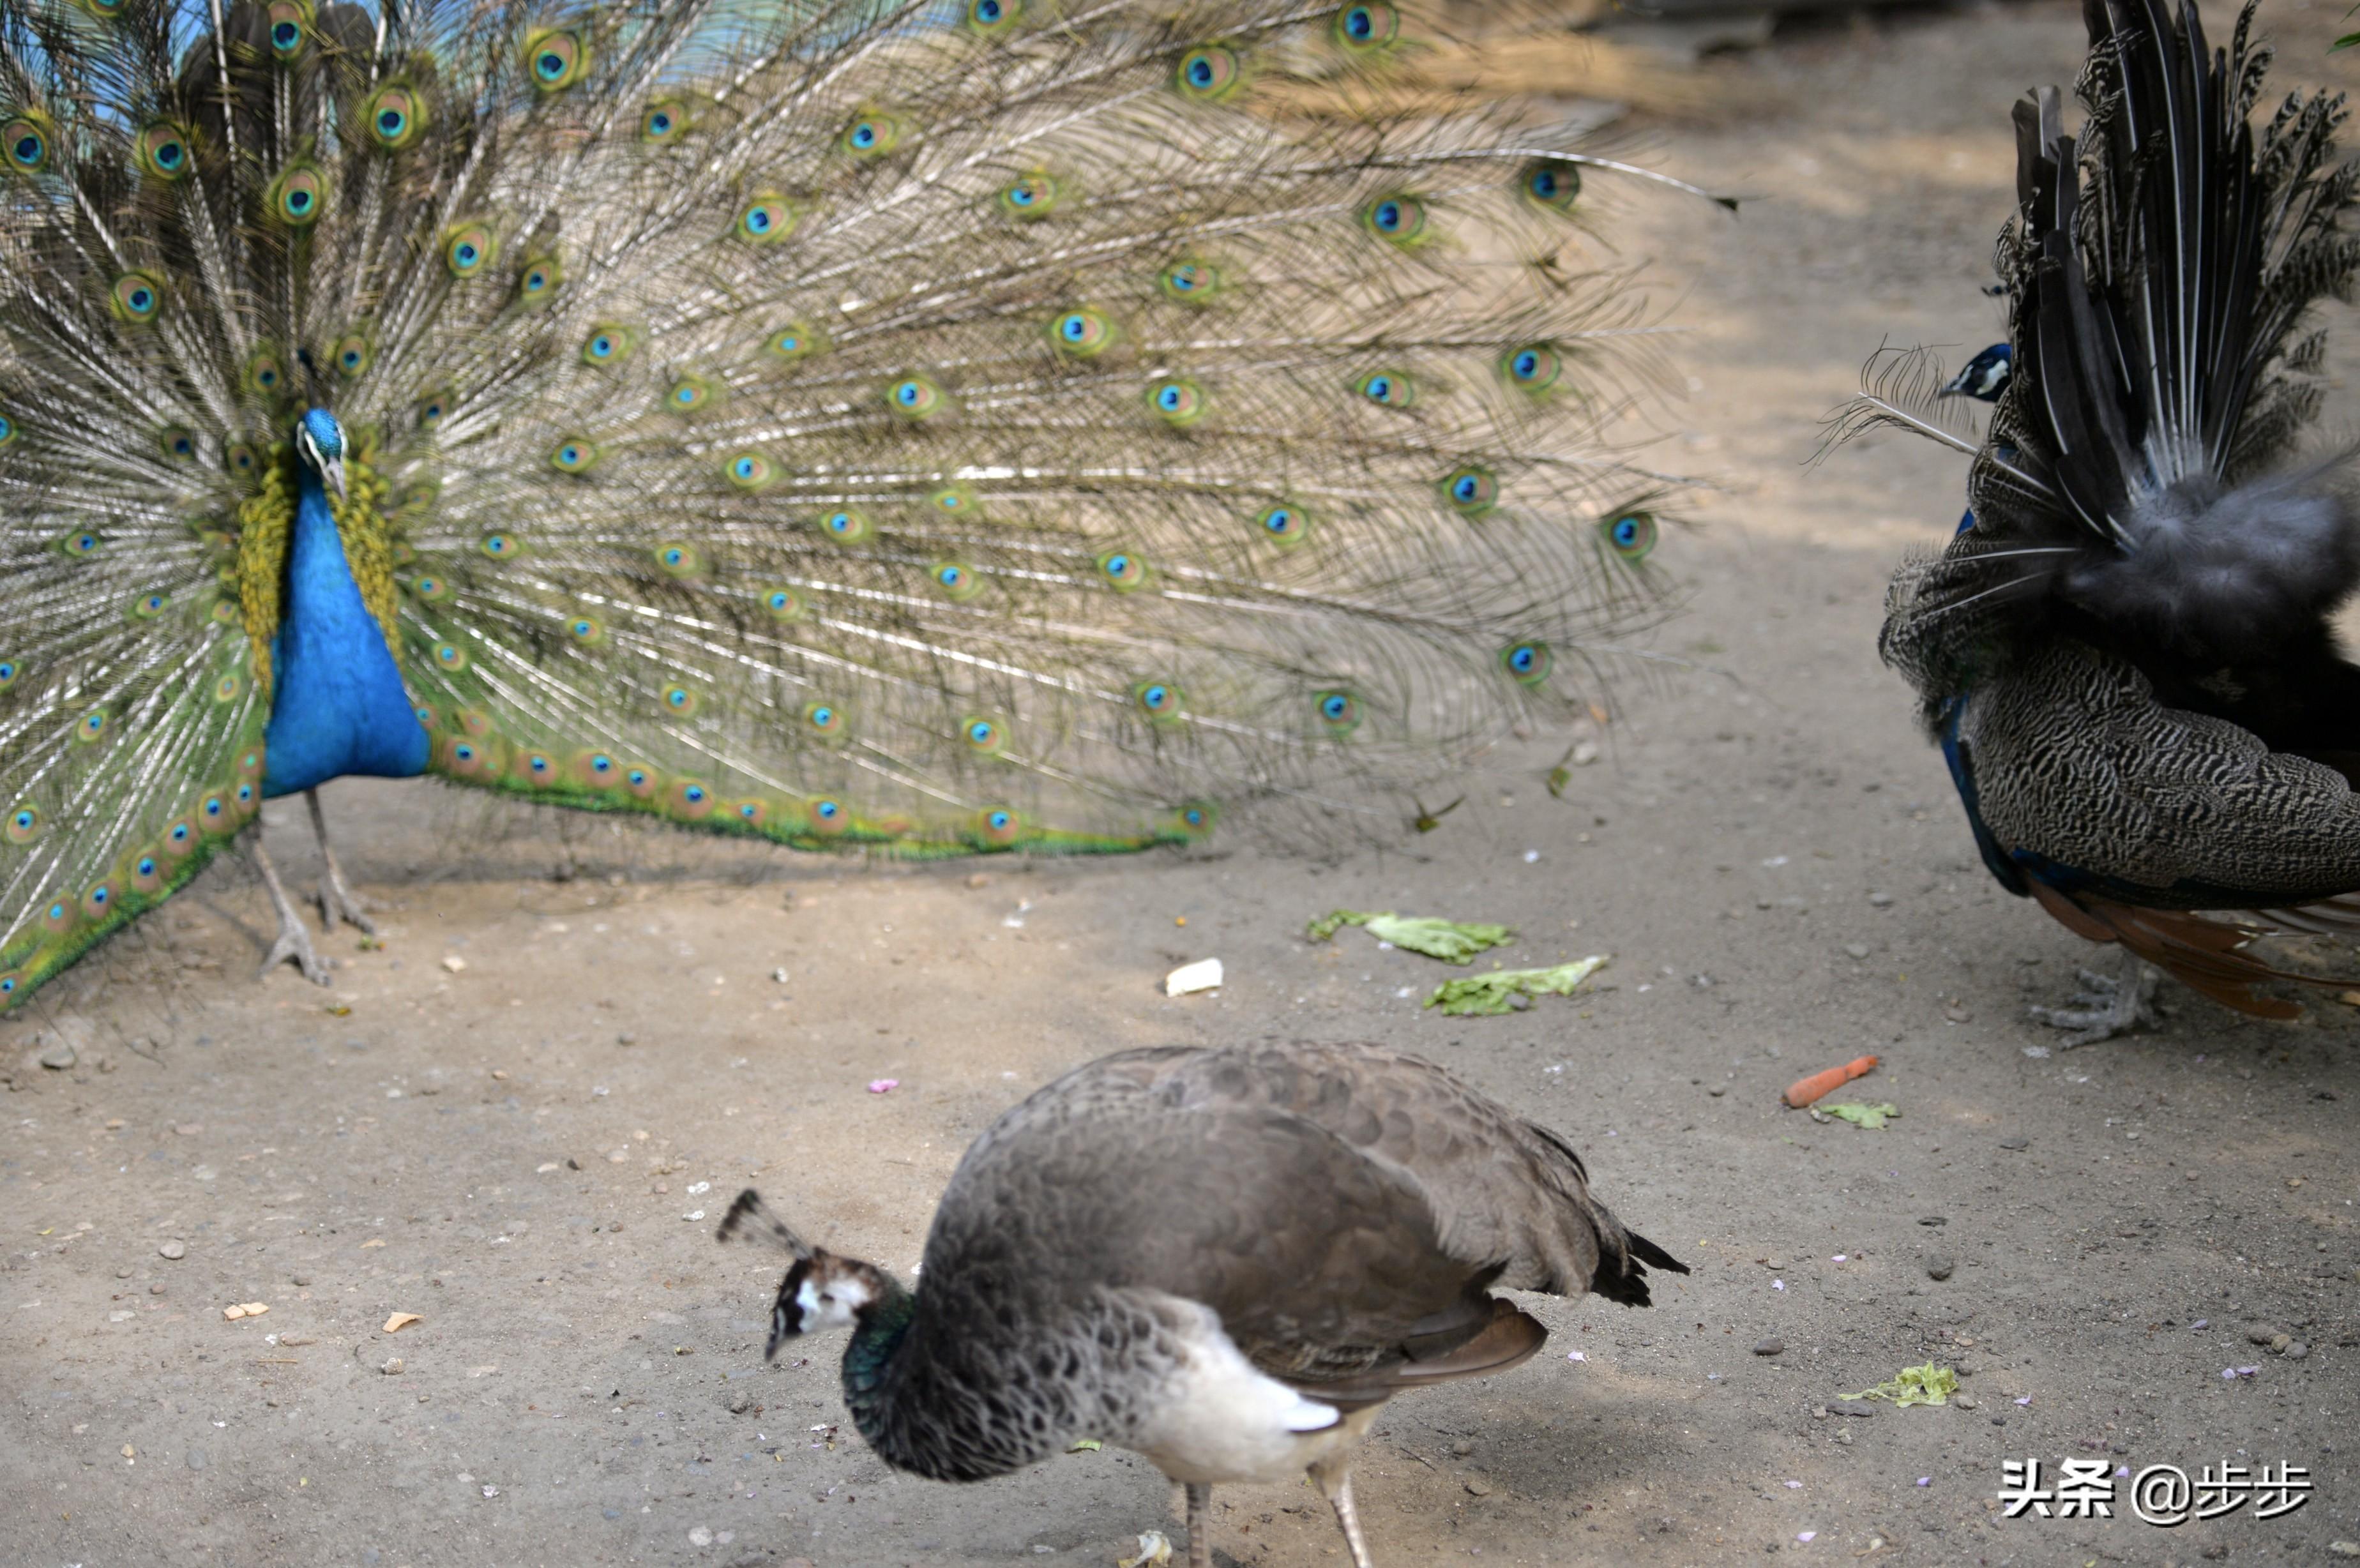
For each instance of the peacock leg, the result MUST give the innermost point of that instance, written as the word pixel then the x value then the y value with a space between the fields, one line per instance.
pixel 1200 1525
pixel 294 942
pixel 337 901
pixel 2106 1007
pixel 1334 1476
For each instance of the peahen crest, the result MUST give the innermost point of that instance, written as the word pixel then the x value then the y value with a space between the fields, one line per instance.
pixel 941 427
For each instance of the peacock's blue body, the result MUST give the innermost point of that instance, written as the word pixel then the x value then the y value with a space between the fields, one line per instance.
pixel 338 705
pixel 934 426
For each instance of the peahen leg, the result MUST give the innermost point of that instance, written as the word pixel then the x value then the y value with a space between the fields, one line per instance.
pixel 2105 1006
pixel 1200 1525
pixel 294 943
pixel 1334 1477
pixel 337 900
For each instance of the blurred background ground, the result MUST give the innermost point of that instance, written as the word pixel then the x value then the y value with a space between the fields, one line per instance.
pixel 519 1118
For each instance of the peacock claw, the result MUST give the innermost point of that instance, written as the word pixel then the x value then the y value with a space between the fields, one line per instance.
pixel 2105 1007
pixel 294 946
pixel 338 902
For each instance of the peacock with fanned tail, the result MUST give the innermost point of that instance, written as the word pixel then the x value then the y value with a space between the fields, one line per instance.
pixel 936 428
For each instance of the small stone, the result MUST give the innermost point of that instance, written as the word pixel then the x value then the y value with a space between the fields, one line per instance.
pixel 1940 1267
pixel 453 962
pixel 627 1038
pixel 1933 1219
pixel 1863 1407
pixel 2019 1141
pixel 190 1129
pixel 393 1367
pixel 59 1057
pixel 2297 1350
pixel 739 1401
pixel 301 1279
pixel 2345 1548
pixel 194 1459
pixel 977 879
pixel 1964 1401
pixel 1717 1090
pixel 123 1273
pixel 1856 949
pixel 700 1536
pixel 2280 1343
pixel 1769 1346
pixel 1881 900
pixel 1477 1486
pixel 2260 1335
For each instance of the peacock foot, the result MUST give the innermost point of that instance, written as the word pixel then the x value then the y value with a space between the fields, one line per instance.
pixel 2105 1006
pixel 339 902
pixel 294 946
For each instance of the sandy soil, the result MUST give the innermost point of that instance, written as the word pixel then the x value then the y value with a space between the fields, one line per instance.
pixel 519 1118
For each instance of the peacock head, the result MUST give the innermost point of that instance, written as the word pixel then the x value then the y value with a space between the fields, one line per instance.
pixel 320 442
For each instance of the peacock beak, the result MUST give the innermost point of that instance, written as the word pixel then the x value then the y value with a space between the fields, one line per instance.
pixel 331 469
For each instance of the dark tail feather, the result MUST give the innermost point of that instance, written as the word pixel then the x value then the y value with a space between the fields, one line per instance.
pixel 1623 1278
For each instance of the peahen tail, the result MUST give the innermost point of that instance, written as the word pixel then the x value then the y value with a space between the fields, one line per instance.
pixel 941 427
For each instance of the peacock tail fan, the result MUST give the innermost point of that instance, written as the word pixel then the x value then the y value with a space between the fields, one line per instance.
pixel 938 428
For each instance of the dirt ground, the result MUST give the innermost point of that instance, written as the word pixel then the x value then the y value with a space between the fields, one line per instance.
pixel 521 1118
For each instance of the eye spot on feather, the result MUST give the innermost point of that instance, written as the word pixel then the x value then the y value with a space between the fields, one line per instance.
pixel 956 501
pixel 597 770
pixel 642 782
pixel 678 560
pixel 766 220
pixel 1158 700
pixel 147 606
pixel 1399 219
pixel 690 800
pixel 227 688
pixel 145 874
pixel 11 982
pixel 825 720
pixel 1367 28
pixel 794 341
pixel 27 143
pixel 1082 332
pixel 137 299
pixel 606 344
pixel 212 812
pixel 162 151
pixel 1284 524
pixel 872 135
pixel 680 702
pixel 179 837
pixel 661 122
pixel 432 589
pixel 1178 401
pixel 1191 280
pixel 1471 490
pixel 585 632
pixel 449 657
pixel 1030 197
pixel 298 195
pixel 9 671
pixel 1630 535
pixel 432 408
pixel 999 826
pixel 689 394
pixel 394 115
pixel 98 901
pixel 1206 74
pixel 82 544
pixel 265 375
pixel 845 525
pixel 1338 711
pixel 1552 183
pixel 1526 662
pixel 60 915
pixel 753 811
pixel 556 59
pixel 92 726
pixel 1387 388
pixel 574 454
pixel 1122 570
pixel 177 443
pixel 828 816
pixel 24 825
pixel 750 470
pixel 285 28
pixel 8 430
pixel 351 355
pixel 783 605
pixel 502 547
pixel 1532 369
pixel 915 397
pixel 1196 818
pixel 991 19
pixel 468 250
pixel 539 282
pixel 984 737
pixel 958 581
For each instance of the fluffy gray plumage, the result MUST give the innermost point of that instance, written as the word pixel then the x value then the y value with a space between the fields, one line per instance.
pixel 1339 1214
pixel 2127 652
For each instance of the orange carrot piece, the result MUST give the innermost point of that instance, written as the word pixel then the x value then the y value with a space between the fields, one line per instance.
pixel 1803 1091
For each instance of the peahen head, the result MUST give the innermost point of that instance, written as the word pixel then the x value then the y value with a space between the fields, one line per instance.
pixel 319 443
pixel 822 1290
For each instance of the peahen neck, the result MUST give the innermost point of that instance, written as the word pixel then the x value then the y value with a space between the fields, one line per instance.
pixel 922 1407
pixel 338 705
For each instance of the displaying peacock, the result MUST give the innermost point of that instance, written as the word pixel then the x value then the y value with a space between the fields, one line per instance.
pixel 938 429
pixel 2127 654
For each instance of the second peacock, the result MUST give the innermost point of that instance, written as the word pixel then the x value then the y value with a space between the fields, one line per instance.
pixel 935 427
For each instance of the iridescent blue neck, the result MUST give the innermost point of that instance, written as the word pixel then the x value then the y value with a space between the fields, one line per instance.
pixel 338 705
